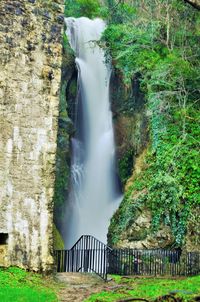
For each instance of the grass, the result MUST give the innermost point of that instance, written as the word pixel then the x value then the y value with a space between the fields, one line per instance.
pixel 17 285
pixel 149 288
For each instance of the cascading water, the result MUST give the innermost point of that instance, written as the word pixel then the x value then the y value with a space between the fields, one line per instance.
pixel 94 193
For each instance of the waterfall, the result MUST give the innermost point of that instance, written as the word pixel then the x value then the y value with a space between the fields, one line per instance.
pixel 94 193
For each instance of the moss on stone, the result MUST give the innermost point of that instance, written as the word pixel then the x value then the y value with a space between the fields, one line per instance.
pixel 58 243
pixel 125 165
pixel 138 235
pixel 65 130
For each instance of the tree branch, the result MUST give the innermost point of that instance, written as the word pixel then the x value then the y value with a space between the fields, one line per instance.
pixel 194 3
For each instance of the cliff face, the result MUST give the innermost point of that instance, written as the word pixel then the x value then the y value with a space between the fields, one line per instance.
pixel 30 71
pixel 132 224
pixel 130 122
pixel 65 130
pixel 161 198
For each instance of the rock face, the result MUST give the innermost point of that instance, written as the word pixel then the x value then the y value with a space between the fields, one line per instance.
pixel 140 236
pixel 66 128
pixel 130 123
pixel 30 70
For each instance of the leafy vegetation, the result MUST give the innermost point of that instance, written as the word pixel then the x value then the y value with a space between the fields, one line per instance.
pixel 126 166
pixel 20 286
pixel 147 288
pixel 83 8
pixel 158 40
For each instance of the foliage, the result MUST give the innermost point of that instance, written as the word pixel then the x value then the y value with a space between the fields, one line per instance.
pixel 147 288
pixel 159 42
pixel 120 12
pixel 125 166
pixel 80 8
pixel 165 190
pixel 20 286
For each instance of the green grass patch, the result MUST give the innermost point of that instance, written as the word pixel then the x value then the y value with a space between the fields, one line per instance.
pixel 17 285
pixel 149 288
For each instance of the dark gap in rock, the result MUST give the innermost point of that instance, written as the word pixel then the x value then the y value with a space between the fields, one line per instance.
pixel 3 238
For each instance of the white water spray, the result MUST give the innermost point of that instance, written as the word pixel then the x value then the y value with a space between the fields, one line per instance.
pixel 94 194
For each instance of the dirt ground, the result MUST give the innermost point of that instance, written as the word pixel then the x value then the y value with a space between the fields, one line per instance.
pixel 76 287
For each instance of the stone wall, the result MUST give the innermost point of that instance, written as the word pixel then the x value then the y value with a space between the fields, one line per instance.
pixel 30 70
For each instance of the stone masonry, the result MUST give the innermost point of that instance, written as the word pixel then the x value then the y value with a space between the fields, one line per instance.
pixel 30 70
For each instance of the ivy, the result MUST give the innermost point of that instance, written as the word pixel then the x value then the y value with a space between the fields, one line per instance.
pixel 161 45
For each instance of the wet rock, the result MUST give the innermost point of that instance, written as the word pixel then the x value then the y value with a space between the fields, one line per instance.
pixel 6 21
pixel 43 37
pixel 4 29
pixel 49 50
pixel 37 11
pixel 24 22
pixel 56 7
pixel 60 19
pixel 47 15
pixel 9 40
pixel 55 34
pixel 9 8
pixel 30 46
pixel 18 11
pixel 50 75
pixel 55 29
pixel 65 123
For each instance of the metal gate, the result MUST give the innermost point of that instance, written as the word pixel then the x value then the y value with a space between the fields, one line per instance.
pixel 87 255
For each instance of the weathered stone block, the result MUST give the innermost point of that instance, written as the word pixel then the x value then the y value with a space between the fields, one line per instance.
pixel 3 255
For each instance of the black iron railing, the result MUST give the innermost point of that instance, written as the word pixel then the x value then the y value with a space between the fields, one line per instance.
pixel 153 262
pixel 91 255
pixel 87 255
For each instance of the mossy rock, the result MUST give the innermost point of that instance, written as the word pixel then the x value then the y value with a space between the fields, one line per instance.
pixel 138 235
pixel 58 242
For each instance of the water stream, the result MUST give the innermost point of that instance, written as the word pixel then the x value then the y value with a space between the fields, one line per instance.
pixel 94 193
